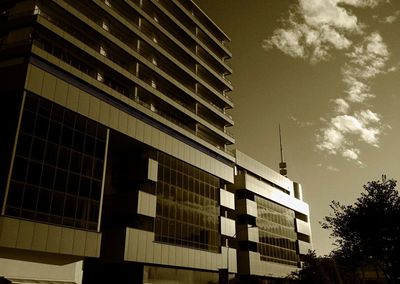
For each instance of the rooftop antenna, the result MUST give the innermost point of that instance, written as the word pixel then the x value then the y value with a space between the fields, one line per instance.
pixel 282 164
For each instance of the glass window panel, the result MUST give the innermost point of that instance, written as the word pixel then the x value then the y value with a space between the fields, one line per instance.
pixel 57 203
pixel 76 162
pixel 94 212
pixel 54 132
pixel 91 128
pixel 28 122
pixel 31 103
pixel 164 227
pixel 48 174
pixel 70 206
pixel 24 145
pixel 84 188
pixel 66 137
pixel 98 169
pixel 51 154
pixel 44 201
pixel 96 190
pixel 15 194
pixel 80 125
pixel 20 168
pixel 100 148
pixel 61 180
pixel 57 113
pixel 73 183
pixel 64 157
pixel 41 127
pixel 89 146
pixel 79 139
pixel 69 119
pixel 34 172
pixel 157 227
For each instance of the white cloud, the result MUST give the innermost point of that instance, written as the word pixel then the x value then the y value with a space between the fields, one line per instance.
pixel 332 168
pixel 337 137
pixel 301 123
pixel 341 106
pixel 318 13
pixel 367 116
pixel 388 19
pixel 316 27
pixel 288 41
pixel 330 140
pixel 347 124
pixel 364 3
pixel 351 154
pixel 329 168
pixel 357 91
pixel 366 60
pixel 312 31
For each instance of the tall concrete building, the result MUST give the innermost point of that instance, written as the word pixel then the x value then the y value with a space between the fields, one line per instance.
pixel 114 164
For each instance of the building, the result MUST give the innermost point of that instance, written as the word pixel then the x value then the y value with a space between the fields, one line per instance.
pixel 116 155
pixel 272 222
pixel 118 131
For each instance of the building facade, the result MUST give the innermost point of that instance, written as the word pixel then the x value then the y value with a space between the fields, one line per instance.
pixel 116 140
pixel 273 230
pixel 115 155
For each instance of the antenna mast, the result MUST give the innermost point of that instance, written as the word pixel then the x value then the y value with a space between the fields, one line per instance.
pixel 282 164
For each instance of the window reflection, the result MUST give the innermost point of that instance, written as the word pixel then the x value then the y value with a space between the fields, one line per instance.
pixel 187 205
pixel 56 176
pixel 277 235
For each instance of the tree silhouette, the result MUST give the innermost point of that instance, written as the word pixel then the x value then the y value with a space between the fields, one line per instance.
pixel 367 233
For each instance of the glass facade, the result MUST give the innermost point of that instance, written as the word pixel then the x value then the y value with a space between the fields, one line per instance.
pixel 277 235
pixel 58 166
pixel 187 205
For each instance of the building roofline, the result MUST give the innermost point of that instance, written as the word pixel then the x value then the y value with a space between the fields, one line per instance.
pixel 211 21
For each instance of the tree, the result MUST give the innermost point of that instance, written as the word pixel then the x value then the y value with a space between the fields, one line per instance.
pixel 324 269
pixel 368 232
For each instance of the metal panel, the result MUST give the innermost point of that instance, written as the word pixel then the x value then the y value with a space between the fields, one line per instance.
pixel 146 204
pixel 228 227
pixel 152 170
pixel 304 247
pixel 303 227
pixel 263 171
pixel 227 199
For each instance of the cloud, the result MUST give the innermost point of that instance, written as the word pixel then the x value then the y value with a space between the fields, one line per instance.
pixel 337 136
pixel 388 19
pixel 341 106
pixel 315 28
pixel 365 3
pixel 329 168
pixel 351 154
pixel 301 123
pixel 332 168
pixel 357 125
pixel 366 60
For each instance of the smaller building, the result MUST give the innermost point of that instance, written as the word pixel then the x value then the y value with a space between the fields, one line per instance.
pixel 272 222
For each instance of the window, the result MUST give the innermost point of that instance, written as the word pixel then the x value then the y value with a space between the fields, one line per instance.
pixel 277 235
pixel 186 215
pixel 55 176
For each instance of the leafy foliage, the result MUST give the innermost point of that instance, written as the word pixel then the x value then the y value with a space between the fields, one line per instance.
pixel 324 269
pixel 368 232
